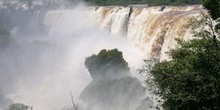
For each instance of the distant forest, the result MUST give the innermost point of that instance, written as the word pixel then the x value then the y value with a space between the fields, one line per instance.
pixel 150 2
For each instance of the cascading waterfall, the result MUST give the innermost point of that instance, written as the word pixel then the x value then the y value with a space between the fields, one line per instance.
pixel 153 29
pixel 114 20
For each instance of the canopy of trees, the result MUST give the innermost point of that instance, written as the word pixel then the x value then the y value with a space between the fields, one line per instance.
pixel 19 106
pixel 107 64
pixel 213 6
pixel 191 80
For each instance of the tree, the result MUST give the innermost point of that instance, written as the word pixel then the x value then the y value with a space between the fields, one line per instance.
pixel 107 64
pixel 213 7
pixel 206 27
pixel 19 106
pixel 191 80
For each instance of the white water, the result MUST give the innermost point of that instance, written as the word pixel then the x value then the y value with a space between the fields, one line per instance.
pixel 149 28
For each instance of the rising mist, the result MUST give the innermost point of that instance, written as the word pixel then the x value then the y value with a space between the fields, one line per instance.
pixel 40 68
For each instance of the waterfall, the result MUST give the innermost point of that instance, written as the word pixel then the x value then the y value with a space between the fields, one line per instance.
pixel 42 71
pixel 153 29
pixel 115 20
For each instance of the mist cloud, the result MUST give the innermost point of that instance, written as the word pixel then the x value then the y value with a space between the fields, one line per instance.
pixel 40 71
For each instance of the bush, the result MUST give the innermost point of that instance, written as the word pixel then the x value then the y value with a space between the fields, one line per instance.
pixel 18 106
pixel 191 80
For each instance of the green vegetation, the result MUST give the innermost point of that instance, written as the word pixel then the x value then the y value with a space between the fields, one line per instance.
pixel 106 62
pixel 191 79
pixel 213 6
pixel 18 106
pixel 150 2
